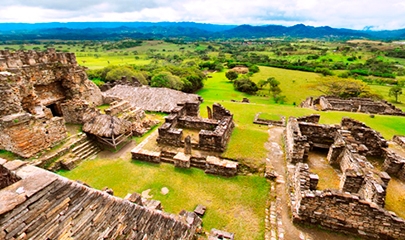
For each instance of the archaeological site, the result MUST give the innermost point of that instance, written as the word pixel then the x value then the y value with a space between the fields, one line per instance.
pixel 365 105
pixel 53 117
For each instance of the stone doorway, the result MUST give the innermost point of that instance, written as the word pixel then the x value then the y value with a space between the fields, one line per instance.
pixel 55 109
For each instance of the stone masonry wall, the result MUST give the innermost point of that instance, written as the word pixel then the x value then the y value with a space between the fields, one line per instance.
pixel 363 134
pixel 33 88
pixel 7 177
pixel 214 133
pixel 297 146
pixel 365 105
pixel 343 212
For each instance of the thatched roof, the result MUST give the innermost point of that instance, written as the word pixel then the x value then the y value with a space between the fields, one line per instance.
pixel 107 126
pixel 151 99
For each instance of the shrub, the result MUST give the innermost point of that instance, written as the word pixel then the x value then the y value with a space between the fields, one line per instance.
pixel 245 85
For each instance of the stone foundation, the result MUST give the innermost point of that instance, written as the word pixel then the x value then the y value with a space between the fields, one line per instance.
pixel 262 121
pixel 210 164
pixel 365 105
pixel 214 133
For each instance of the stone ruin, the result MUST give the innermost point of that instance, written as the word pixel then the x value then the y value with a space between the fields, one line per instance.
pixel 357 207
pixel 214 135
pixel 365 105
pixel 39 92
pixel 215 131
pixel 263 121
pixel 37 204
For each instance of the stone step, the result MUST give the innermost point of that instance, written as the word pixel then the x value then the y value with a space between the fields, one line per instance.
pixel 82 145
pixel 89 152
pixel 84 148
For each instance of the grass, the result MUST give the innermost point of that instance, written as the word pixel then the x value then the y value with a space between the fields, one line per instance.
pixel 7 155
pixel 233 204
pixel 270 116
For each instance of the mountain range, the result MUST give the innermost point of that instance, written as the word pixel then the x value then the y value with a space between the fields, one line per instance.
pixel 185 30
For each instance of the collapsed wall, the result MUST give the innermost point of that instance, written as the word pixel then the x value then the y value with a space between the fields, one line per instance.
pixel 39 91
pixel 37 204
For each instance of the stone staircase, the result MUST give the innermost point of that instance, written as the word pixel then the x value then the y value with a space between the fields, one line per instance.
pixel 85 150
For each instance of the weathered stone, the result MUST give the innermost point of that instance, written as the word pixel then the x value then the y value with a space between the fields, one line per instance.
pixel 182 160
pixel 65 209
pixel 366 105
pixel 32 96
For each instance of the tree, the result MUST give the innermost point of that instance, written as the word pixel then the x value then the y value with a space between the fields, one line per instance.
pixel 166 79
pixel 231 75
pixel 395 91
pixel 274 88
pixel 245 85
pixel 343 87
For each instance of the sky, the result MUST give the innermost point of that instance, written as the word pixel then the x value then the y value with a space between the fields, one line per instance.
pixel 353 14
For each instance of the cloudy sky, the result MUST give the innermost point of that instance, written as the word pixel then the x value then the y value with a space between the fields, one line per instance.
pixel 355 14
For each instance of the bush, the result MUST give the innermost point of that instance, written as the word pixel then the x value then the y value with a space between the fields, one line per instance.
pixel 245 85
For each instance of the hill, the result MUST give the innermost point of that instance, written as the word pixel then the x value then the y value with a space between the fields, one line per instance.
pixel 185 30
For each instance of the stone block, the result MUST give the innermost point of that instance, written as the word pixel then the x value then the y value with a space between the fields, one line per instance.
pixel 182 160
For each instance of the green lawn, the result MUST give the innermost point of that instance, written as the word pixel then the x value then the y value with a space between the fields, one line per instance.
pixel 233 204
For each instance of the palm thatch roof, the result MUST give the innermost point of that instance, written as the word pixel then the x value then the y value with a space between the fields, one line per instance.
pixel 150 98
pixel 107 126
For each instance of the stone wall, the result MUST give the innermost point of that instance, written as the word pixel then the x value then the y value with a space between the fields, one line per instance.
pixel 363 134
pixel 318 135
pixel 400 140
pixel 394 164
pixel 339 211
pixel 297 146
pixel 210 164
pixel 262 121
pixel 7 177
pixel 366 105
pixel 214 133
pixel 34 88
pixel 26 135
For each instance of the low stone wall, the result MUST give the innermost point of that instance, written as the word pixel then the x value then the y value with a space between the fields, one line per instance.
pixel 261 121
pixel 394 164
pixel 339 211
pixel 400 140
pixel 365 105
pixel 7 177
pixel 216 140
pixel 363 134
pixel 214 134
pixel 211 164
pixel 297 146
pixel 318 135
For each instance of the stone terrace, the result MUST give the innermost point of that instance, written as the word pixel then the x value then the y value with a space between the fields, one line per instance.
pixel 37 204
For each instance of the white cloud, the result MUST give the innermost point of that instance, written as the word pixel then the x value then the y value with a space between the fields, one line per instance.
pixel 344 13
